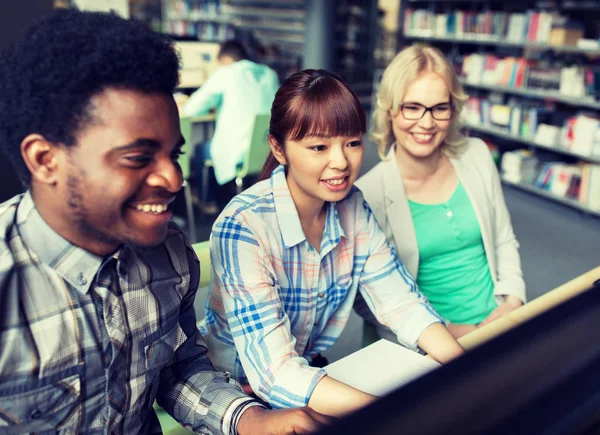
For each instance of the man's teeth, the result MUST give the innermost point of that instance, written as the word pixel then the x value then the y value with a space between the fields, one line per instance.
pixel 151 208
pixel 423 136
pixel 336 182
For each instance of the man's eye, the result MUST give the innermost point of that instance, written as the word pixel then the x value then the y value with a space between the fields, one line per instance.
pixel 140 160
pixel 176 154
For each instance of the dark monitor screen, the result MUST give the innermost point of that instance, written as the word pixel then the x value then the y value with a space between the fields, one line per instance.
pixel 542 377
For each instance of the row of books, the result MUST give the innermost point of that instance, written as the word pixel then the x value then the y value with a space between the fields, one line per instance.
pixel 521 73
pixel 531 26
pixel 192 9
pixel 579 133
pixel 201 30
pixel 579 182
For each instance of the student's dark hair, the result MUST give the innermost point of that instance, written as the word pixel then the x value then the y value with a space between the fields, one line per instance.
pixel 313 102
pixel 233 49
pixel 48 77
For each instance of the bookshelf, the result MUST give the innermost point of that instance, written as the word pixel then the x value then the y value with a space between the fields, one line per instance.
pixel 540 192
pixel 497 132
pixel 356 31
pixel 532 73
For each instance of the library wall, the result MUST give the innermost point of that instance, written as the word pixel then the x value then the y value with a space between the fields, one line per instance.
pixel 16 17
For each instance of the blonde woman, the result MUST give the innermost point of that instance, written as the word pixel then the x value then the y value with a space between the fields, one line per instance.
pixel 437 196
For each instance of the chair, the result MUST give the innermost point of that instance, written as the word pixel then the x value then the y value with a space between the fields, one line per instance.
pixel 370 334
pixel 258 151
pixel 254 159
pixel 185 126
pixel 202 250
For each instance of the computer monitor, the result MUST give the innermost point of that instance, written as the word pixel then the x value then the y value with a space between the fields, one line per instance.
pixel 542 377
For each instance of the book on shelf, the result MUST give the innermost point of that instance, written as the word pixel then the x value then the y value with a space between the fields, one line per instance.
pixel 579 182
pixel 532 26
pixel 572 81
pixel 518 166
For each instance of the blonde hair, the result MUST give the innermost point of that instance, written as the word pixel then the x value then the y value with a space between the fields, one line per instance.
pixel 400 73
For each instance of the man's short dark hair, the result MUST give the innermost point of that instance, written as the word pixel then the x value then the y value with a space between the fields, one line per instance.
pixel 233 49
pixel 49 76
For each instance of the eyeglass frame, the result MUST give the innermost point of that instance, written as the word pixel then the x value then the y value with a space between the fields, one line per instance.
pixel 428 109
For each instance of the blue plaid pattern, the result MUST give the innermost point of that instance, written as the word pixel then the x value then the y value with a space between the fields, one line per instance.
pixel 88 343
pixel 275 300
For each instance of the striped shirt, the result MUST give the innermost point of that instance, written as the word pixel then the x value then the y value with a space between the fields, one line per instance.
pixel 88 343
pixel 274 300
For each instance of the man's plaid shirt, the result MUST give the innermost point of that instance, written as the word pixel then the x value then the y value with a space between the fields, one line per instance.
pixel 88 343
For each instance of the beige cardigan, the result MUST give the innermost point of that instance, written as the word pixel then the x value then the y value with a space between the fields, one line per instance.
pixel 383 189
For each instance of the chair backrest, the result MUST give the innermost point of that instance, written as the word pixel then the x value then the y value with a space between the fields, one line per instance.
pixel 258 149
pixel 185 125
pixel 202 250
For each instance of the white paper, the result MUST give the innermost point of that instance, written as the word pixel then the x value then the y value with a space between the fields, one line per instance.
pixel 381 367
pixel 121 7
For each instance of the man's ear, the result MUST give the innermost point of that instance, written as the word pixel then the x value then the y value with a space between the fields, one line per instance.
pixel 277 150
pixel 41 157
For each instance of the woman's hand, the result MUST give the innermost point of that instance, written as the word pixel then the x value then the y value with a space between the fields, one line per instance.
pixel 510 303
pixel 294 421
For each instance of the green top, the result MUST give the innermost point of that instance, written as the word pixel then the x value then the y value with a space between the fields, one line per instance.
pixel 453 269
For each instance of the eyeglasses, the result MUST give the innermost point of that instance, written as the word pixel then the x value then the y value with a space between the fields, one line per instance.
pixel 415 111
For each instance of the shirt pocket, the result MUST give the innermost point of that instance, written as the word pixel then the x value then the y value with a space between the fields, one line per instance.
pixel 159 353
pixel 39 406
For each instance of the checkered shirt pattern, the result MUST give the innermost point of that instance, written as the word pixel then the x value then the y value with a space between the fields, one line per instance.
pixel 88 343
pixel 275 300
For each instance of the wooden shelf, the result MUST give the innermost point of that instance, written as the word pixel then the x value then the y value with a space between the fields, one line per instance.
pixel 545 194
pixel 536 93
pixel 504 135
pixel 492 40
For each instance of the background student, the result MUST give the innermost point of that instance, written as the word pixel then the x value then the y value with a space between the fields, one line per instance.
pixel 96 286
pixel 239 90
pixel 438 198
pixel 290 253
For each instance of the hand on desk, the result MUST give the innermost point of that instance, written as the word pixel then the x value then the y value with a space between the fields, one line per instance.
pixel 296 421
pixel 511 303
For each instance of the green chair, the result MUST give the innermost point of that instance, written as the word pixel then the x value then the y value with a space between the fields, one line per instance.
pixel 370 334
pixel 168 424
pixel 185 126
pixel 202 250
pixel 257 151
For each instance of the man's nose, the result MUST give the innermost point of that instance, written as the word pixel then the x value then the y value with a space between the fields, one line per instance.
pixel 167 175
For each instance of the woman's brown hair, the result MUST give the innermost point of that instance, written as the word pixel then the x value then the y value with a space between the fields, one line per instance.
pixel 313 102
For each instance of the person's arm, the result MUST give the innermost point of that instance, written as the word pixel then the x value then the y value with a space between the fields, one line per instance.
pixel 438 342
pixel 190 389
pixel 260 327
pixel 332 397
pixel 209 96
pixel 199 397
pixel 392 294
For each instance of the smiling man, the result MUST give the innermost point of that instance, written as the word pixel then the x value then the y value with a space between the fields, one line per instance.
pixel 96 285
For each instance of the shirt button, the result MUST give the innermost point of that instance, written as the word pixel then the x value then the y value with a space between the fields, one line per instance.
pixel 449 214
pixel 81 279
pixel 321 294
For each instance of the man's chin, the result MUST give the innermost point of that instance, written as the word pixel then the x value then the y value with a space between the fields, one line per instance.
pixel 145 244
